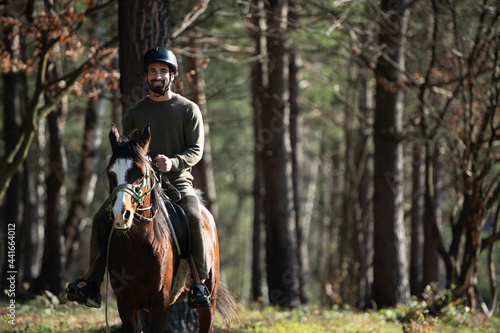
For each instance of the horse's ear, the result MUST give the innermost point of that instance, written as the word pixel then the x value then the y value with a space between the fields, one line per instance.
pixel 114 136
pixel 145 138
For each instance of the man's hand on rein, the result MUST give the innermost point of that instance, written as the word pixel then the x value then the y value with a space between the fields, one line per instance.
pixel 163 163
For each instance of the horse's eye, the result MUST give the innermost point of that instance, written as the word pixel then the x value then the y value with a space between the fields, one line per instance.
pixel 137 189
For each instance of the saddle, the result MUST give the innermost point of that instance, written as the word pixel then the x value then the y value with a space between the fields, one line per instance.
pixel 179 226
pixel 178 222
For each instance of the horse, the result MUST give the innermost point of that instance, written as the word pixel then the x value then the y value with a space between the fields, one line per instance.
pixel 146 269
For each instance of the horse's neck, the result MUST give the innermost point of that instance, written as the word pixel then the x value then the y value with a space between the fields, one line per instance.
pixel 142 236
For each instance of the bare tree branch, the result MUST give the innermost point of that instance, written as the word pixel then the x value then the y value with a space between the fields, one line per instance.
pixel 191 18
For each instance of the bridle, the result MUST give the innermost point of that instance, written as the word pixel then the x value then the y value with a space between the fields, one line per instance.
pixel 136 192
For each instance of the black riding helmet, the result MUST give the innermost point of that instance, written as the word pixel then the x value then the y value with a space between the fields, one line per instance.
pixel 161 54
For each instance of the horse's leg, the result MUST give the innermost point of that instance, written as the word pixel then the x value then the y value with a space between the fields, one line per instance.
pixel 158 323
pixel 158 317
pixel 131 322
pixel 206 318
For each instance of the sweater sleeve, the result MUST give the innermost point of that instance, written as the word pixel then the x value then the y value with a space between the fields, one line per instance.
pixel 194 137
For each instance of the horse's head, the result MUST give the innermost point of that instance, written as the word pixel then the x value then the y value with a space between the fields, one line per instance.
pixel 130 177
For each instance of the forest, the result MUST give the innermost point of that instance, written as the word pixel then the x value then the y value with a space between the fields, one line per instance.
pixel 352 147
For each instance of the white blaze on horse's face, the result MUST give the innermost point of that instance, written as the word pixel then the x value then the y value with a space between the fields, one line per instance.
pixel 122 209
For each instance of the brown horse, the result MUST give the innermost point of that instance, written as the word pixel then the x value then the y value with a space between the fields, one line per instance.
pixel 145 268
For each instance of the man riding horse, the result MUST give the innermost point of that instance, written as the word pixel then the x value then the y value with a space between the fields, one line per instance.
pixel 177 145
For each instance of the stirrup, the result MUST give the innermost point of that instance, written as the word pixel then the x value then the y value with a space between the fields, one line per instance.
pixel 84 294
pixel 199 297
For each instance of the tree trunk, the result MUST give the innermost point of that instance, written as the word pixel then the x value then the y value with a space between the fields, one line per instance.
pixel 332 203
pixel 348 242
pixel 363 191
pixel 281 246
pixel 390 284
pixel 149 27
pixel 417 219
pixel 474 211
pixel 430 253
pixel 29 230
pixel 296 145
pixel 431 237
pixel 51 275
pixel 257 77
pixel 296 124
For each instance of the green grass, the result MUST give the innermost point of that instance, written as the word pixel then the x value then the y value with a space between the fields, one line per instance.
pixel 41 316
pixel 267 319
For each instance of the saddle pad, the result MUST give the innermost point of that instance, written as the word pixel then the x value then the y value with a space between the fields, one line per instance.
pixel 180 225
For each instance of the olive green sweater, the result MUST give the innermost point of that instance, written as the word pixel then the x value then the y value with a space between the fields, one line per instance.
pixel 176 132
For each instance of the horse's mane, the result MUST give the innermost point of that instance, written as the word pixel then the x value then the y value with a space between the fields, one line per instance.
pixel 160 226
pixel 132 149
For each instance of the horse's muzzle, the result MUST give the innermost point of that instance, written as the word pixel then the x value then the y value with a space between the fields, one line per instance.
pixel 123 211
pixel 122 219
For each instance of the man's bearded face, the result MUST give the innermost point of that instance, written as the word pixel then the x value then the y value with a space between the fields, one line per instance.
pixel 159 77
